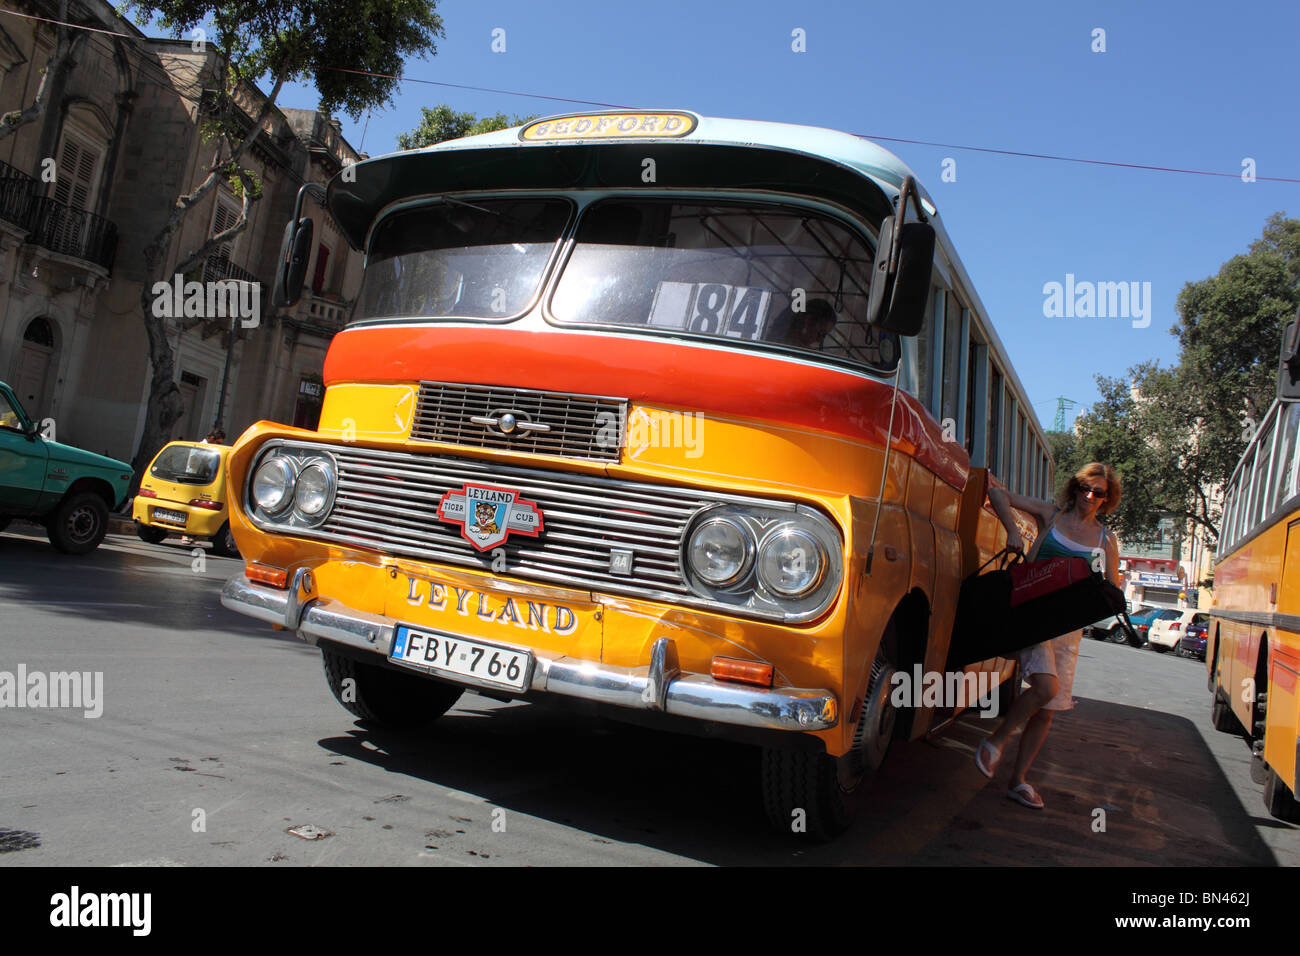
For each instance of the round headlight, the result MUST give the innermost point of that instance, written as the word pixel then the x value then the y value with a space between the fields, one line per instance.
pixel 720 551
pixel 315 491
pixel 790 562
pixel 273 485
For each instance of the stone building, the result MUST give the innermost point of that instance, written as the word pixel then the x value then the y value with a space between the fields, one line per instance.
pixel 85 186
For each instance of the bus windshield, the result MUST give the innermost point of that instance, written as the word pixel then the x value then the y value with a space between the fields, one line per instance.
pixel 481 259
pixel 741 272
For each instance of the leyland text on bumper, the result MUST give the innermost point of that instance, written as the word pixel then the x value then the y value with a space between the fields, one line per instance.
pixel 659 686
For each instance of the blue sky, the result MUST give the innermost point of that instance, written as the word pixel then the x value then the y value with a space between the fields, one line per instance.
pixel 1186 85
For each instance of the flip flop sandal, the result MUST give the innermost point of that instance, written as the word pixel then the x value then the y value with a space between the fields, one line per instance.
pixel 1026 796
pixel 987 757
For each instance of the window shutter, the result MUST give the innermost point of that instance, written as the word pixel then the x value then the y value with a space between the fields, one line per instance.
pixel 75 175
pixel 224 217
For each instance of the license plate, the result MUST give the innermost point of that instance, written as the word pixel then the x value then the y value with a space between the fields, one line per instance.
pixel 175 517
pixel 479 662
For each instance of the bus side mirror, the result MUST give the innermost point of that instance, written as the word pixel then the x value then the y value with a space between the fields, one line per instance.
pixel 291 270
pixel 897 299
pixel 1288 373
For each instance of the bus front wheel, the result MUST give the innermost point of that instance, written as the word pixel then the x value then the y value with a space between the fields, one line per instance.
pixel 817 796
pixel 387 697
pixel 803 796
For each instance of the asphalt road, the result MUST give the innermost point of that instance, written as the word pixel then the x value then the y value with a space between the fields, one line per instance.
pixel 218 735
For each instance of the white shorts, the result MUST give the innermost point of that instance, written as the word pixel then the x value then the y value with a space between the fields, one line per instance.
pixel 1056 657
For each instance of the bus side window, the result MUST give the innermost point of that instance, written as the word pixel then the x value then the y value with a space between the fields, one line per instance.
pixel 1228 527
pixel 1259 477
pixel 1286 457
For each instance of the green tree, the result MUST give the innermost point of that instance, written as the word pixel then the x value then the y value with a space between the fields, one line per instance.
pixel 1065 451
pixel 1230 331
pixel 1175 434
pixel 285 41
pixel 441 122
pixel 1147 426
pixel 1111 432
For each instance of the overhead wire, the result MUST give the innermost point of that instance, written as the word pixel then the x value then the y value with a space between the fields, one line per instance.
pixel 1023 154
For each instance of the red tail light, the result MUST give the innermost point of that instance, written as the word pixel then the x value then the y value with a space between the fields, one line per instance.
pixel 1176 626
pixel 207 503
pixel 146 493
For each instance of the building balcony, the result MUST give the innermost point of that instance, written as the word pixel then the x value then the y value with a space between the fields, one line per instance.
pixel 217 268
pixel 53 225
pixel 324 311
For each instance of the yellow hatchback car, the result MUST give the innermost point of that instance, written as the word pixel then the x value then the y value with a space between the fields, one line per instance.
pixel 185 493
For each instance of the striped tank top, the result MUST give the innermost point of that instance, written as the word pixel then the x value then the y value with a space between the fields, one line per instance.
pixel 1057 545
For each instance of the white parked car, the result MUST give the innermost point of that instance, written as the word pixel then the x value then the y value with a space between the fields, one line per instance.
pixel 1168 629
pixel 1112 629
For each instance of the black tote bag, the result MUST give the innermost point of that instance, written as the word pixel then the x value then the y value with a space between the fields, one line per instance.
pixel 987 625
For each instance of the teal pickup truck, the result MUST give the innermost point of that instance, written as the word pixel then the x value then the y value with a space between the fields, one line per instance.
pixel 68 490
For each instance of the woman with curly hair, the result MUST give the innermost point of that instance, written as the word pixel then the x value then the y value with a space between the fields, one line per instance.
pixel 1068 528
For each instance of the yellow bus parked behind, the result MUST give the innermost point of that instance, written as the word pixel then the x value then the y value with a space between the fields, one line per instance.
pixel 1254 651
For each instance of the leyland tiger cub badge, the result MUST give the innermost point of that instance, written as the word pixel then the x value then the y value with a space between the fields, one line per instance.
pixel 487 515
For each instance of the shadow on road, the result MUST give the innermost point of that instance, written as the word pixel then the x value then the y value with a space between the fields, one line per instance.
pixel 1123 785
pixel 124 581
pixel 1145 777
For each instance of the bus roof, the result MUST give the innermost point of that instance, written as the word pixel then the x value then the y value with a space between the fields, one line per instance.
pixel 823 163
pixel 839 147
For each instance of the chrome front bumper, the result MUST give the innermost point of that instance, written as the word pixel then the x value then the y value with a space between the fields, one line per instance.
pixel 659 686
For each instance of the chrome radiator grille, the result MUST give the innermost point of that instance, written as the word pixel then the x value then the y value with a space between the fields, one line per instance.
pixel 579 426
pixel 388 501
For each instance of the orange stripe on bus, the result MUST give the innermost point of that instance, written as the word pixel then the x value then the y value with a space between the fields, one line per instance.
pixel 752 386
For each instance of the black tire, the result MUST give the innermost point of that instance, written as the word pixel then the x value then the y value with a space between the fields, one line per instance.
pixel 1116 635
pixel 1222 717
pixel 150 535
pixel 802 795
pixel 1212 681
pixel 223 543
pixel 1259 770
pixel 78 524
pixel 1279 799
pixel 385 696
pixel 816 797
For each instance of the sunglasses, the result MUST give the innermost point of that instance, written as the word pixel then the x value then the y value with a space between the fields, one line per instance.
pixel 1093 492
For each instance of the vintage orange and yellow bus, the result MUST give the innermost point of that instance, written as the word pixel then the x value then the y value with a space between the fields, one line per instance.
pixel 1254 639
pixel 690 419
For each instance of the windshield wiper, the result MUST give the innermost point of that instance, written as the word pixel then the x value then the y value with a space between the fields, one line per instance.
pixel 470 205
